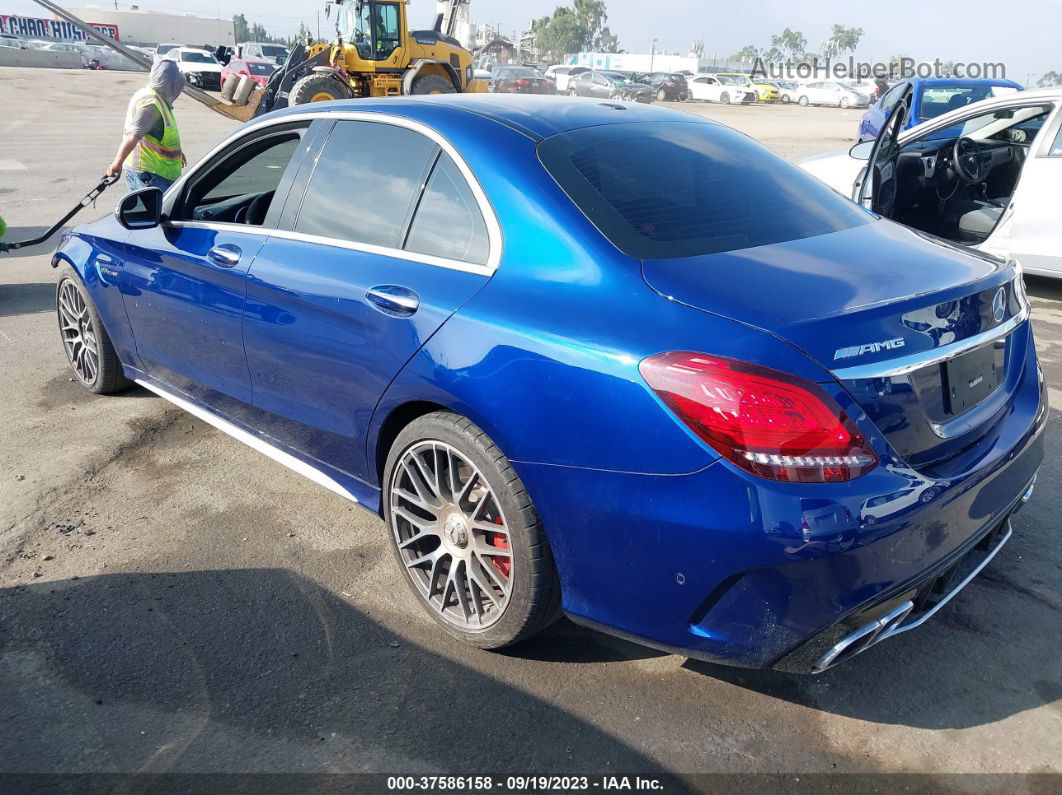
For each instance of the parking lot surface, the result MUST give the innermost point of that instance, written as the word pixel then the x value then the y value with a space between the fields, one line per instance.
pixel 171 600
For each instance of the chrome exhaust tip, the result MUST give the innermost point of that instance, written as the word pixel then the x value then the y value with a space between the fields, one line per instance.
pixel 863 638
pixel 1029 491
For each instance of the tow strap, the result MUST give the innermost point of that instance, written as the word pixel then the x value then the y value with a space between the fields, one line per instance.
pixel 90 198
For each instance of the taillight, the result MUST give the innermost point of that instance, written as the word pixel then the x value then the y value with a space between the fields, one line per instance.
pixel 523 81
pixel 767 422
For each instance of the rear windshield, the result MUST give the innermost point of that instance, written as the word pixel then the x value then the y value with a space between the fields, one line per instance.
pixel 660 190
pixel 260 69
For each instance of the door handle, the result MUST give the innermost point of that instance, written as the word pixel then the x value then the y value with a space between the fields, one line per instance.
pixel 393 300
pixel 225 255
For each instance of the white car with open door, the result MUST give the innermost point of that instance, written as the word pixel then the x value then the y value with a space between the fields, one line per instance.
pixel 987 176
pixel 709 88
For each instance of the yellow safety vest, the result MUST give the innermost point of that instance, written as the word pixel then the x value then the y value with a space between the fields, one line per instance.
pixel 162 157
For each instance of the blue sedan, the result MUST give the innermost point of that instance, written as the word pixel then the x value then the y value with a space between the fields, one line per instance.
pixel 591 358
pixel 931 97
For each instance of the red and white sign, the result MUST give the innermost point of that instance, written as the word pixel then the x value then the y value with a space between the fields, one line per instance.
pixel 35 28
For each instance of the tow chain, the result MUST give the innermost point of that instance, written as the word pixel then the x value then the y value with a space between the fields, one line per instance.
pixel 90 198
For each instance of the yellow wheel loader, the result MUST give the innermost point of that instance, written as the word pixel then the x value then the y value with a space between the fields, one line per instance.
pixel 374 55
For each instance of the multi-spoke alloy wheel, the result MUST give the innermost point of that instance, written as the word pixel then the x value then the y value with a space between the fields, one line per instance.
pixel 466 533
pixel 451 531
pixel 85 340
pixel 79 333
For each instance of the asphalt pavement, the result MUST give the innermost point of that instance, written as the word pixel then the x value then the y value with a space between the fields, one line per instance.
pixel 171 600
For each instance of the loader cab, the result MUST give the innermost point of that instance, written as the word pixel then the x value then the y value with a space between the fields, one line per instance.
pixel 375 27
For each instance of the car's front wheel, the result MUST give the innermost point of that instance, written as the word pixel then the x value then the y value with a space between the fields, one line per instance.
pixel 803 102
pixel 466 534
pixel 844 102
pixel 87 346
pixel 725 98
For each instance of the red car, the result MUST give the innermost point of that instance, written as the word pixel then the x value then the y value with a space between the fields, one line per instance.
pixel 520 80
pixel 259 70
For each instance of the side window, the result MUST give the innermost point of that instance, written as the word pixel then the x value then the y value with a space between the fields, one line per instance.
pixel 448 222
pixel 365 183
pixel 890 97
pixel 600 80
pixel 240 189
pixel 1056 147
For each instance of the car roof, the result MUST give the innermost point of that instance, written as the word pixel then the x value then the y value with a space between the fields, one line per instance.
pixel 953 82
pixel 537 115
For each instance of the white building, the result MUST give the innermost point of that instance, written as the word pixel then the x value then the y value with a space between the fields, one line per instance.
pixel 151 27
pixel 635 62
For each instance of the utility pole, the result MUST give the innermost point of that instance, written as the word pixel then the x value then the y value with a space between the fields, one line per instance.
pixel 652 55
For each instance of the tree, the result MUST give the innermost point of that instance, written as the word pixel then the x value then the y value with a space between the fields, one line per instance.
pixel 747 54
pixel 304 35
pixel 574 29
pixel 1049 79
pixel 606 41
pixel 241 28
pixel 841 40
pixel 592 16
pixel 564 34
pixel 697 48
pixel 791 43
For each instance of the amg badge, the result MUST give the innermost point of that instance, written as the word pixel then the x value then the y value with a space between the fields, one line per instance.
pixel 869 347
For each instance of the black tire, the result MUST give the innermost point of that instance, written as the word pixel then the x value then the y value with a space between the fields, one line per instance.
pixel 572 92
pixel 725 98
pixel 431 84
pixel 108 378
pixel 661 95
pixel 843 102
pixel 803 101
pixel 318 88
pixel 786 99
pixel 534 599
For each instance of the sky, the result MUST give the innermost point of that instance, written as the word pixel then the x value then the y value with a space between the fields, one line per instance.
pixel 1023 36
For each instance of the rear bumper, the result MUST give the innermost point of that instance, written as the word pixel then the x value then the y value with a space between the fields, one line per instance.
pixel 724 567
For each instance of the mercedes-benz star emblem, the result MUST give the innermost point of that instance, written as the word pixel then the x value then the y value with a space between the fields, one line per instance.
pixel 999 304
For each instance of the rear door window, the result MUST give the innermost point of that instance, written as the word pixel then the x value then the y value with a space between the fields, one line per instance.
pixel 366 183
pixel 659 190
pixel 448 222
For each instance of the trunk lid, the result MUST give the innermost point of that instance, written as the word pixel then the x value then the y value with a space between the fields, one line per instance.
pixel 906 322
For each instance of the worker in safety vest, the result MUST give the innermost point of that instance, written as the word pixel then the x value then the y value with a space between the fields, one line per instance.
pixel 150 153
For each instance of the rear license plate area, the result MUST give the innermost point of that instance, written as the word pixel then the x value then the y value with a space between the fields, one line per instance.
pixel 970 378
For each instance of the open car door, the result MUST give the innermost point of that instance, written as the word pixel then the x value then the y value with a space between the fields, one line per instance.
pixel 875 187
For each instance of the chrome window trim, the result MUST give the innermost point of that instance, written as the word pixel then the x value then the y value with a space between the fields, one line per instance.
pixel 334 242
pixel 905 365
pixel 490 218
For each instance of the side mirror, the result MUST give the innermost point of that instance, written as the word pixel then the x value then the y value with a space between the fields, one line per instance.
pixel 141 209
pixel 862 151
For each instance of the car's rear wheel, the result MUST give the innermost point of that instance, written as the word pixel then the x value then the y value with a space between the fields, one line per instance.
pixel 725 98
pixel 786 99
pixel 87 346
pixel 803 101
pixel 661 95
pixel 572 92
pixel 844 102
pixel 466 534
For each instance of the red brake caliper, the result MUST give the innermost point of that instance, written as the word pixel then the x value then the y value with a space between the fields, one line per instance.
pixel 503 565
